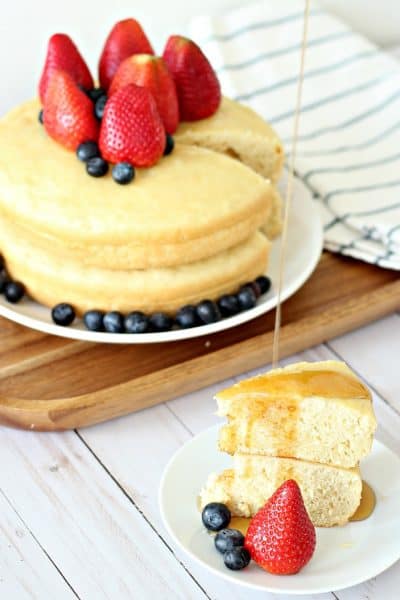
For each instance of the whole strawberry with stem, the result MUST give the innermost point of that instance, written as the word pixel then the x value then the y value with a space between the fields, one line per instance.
pixel 68 113
pixel 132 130
pixel 151 72
pixel 62 54
pixel 281 537
pixel 197 86
pixel 125 39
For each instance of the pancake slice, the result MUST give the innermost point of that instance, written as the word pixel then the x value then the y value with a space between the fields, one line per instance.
pixel 318 412
pixel 331 494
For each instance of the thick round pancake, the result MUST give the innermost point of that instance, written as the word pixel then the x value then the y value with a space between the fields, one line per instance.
pixel 239 132
pixel 50 279
pixel 141 256
pixel 192 193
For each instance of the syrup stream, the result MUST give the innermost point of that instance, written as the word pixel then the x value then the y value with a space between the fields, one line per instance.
pixel 289 187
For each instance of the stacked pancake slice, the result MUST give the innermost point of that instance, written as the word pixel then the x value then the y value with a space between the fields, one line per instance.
pixel 312 422
pixel 196 225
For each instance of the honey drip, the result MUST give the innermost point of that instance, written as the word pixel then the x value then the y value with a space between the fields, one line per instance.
pixel 367 503
pixel 241 523
pixel 289 187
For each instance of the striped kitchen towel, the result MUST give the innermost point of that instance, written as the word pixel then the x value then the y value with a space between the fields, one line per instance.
pixel 348 151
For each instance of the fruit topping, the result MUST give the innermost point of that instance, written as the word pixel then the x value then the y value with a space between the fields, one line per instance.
pixel 246 298
pixel 281 537
pixel 123 173
pixel 99 107
pixel 97 166
pixel 227 539
pixel 93 320
pixel 114 322
pixel 159 321
pixel 207 312
pixel 187 317
pixel 126 38
pixel 68 112
pixel 62 54
pixel 264 283
pixel 40 116
pixel 169 144
pixel 96 93
pixel 228 305
pixel 4 279
pixel 152 73
pixel 131 129
pixel 87 150
pixel 63 314
pixel 215 516
pixel 197 85
pixel 237 558
pixel 136 322
pixel 13 291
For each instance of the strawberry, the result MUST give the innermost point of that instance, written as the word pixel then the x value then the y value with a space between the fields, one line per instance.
pixel 152 73
pixel 198 88
pixel 68 113
pixel 281 536
pixel 126 38
pixel 62 54
pixel 131 129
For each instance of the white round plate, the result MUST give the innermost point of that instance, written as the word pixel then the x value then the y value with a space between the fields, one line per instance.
pixel 302 255
pixel 344 556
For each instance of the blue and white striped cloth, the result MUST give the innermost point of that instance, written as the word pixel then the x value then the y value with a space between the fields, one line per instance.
pixel 349 142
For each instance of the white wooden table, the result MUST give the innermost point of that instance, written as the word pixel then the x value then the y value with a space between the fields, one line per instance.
pixel 78 510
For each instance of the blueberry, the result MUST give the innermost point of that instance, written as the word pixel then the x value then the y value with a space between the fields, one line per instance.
pixel 100 106
pixel 264 283
pixel 87 150
pixel 207 311
pixel 228 305
pixel 187 317
pixel 96 167
pixel 123 173
pixel 254 286
pixel 40 116
pixel 96 93
pixel 136 322
pixel 216 516
pixel 93 320
pixel 227 539
pixel 4 279
pixel 169 144
pixel 114 322
pixel 237 558
pixel 247 298
pixel 63 314
pixel 2 264
pixel 13 291
pixel 160 322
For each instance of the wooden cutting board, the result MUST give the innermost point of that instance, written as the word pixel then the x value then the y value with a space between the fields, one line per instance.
pixel 51 383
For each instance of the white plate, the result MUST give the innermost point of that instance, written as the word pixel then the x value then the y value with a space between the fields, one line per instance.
pixel 344 556
pixel 303 252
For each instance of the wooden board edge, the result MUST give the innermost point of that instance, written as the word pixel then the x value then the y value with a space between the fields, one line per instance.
pixel 148 390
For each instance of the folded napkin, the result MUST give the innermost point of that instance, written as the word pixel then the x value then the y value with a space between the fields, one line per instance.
pixel 348 151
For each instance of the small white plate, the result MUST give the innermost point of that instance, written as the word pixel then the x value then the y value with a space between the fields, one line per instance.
pixel 344 556
pixel 303 252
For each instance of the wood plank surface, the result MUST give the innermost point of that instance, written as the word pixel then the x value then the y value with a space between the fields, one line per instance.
pixel 51 383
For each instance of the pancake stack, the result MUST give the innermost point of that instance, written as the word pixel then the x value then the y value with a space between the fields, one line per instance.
pixel 196 225
pixel 311 422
